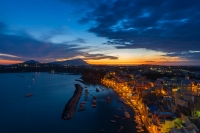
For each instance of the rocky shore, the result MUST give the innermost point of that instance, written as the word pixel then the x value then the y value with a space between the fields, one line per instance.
pixel 70 107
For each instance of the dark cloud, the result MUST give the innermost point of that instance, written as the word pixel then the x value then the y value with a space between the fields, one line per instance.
pixel 87 56
pixel 99 57
pixel 25 47
pixel 167 26
pixel 21 46
pixel 29 48
pixel 189 55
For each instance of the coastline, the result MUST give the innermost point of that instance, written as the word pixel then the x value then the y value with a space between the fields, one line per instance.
pixel 58 91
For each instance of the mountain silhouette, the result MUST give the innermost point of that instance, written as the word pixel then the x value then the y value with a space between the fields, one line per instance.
pixel 70 62
pixel 31 62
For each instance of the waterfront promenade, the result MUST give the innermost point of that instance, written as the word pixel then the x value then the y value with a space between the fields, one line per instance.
pixel 124 91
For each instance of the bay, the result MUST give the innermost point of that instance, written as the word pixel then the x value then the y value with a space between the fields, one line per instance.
pixel 42 112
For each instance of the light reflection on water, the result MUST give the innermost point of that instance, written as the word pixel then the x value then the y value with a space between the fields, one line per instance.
pixel 42 112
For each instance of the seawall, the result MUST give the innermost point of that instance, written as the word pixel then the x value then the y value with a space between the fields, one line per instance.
pixel 70 107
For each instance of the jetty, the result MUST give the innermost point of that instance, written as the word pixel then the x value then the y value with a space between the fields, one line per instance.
pixel 70 107
pixel 82 81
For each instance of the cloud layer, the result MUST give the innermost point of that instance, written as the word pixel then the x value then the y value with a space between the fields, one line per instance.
pixel 21 46
pixel 167 26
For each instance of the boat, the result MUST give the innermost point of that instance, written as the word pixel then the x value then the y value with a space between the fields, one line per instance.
pixel 127 115
pixel 116 116
pixel 121 128
pixel 137 117
pixel 28 94
pixel 138 127
pixel 94 105
pixel 140 130
pixel 86 90
pixel 108 99
pixel 121 99
pixel 137 120
pixel 83 102
pixel 97 90
pixel 82 105
pixel 125 102
pixel 140 124
pixel 102 130
pixel 113 121
pixel 94 101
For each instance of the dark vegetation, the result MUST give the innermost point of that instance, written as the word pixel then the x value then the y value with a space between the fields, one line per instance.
pixel 93 76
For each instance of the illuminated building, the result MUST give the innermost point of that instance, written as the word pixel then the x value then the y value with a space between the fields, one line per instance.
pixel 187 104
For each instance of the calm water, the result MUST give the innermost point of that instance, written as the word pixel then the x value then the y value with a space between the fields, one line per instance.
pixel 42 112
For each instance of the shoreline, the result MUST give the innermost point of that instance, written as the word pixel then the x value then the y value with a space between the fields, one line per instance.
pixel 131 106
pixel 70 107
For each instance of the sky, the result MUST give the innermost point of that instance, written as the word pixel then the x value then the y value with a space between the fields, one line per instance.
pixel 128 32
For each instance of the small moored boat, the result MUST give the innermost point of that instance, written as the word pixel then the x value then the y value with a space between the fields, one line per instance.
pixel 121 128
pixel 97 90
pixel 116 116
pixel 102 130
pixel 140 130
pixel 28 94
pixel 108 99
pixel 113 121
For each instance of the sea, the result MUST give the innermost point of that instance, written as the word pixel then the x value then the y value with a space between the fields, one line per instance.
pixel 41 113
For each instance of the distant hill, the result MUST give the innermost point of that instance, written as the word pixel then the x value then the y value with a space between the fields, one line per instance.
pixel 31 62
pixel 70 62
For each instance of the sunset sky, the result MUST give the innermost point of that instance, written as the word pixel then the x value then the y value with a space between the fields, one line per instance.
pixel 101 31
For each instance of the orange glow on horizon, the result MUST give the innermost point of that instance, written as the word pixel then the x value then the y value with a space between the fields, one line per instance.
pixel 9 62
pixel 122 61
pixel 129 61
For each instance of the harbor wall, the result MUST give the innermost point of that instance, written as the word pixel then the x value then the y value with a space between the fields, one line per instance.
pixel 70 107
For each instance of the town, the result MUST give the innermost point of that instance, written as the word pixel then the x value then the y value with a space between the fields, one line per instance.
pixel 165 104
pixel 165 98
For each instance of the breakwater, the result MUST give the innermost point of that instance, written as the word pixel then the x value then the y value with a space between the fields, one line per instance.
pixel 70 107
pixel 82 81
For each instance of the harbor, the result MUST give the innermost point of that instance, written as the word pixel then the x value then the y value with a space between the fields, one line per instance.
pixel 42 112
